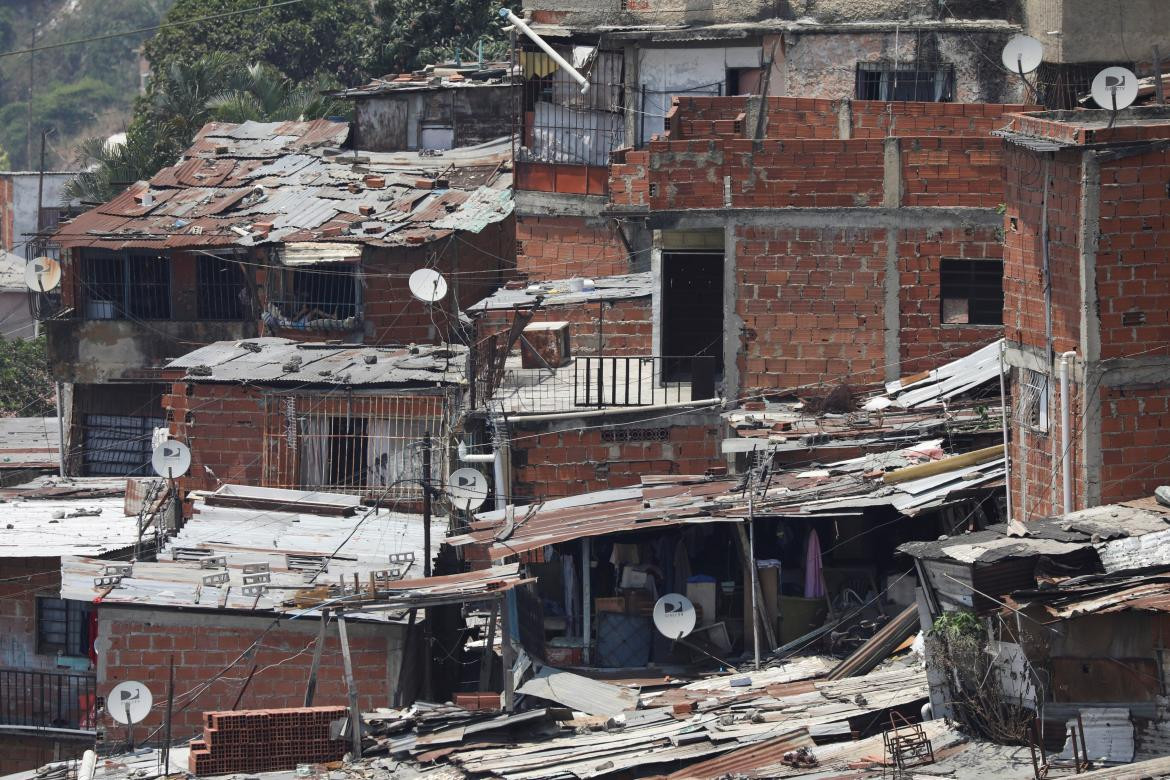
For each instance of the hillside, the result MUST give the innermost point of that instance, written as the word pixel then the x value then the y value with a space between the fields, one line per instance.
pixel 78 91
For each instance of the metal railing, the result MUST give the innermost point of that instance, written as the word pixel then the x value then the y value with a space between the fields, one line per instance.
pixel 56 700
pixel 605 381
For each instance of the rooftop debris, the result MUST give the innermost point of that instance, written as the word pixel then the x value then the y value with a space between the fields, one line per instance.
pixel 290 182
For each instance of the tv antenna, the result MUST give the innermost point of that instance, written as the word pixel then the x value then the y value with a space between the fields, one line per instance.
pixel 1114 89
pixel 428 285
pixel 1021 55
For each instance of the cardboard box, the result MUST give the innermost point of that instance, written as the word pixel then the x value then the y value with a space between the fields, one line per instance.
pixel 610 604
pixel 639 602
pixel 563 656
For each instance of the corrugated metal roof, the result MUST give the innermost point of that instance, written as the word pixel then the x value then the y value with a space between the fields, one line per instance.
pixel 282 361
pixel 290 544
pixel 35 527
pixel 579 693
pixel 292 175
pixel 558 293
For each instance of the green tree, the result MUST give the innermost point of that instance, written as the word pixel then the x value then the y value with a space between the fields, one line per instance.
pixel 303 40
pixel 26 387
pixel 261 93
pixel 416 33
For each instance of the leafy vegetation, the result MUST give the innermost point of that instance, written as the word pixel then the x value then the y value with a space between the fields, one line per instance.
pixel 415 33
pixel 26 388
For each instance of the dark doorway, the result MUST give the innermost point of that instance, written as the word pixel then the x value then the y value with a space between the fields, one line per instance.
pixel 692 313
pixel 347 452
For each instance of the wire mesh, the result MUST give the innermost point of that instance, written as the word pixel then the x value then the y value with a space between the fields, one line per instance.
pixel 125 285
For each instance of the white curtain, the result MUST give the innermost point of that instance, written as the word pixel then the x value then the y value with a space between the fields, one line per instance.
pixel 314 451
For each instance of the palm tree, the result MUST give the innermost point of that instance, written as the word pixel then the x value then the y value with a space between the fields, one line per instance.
pixel 261 93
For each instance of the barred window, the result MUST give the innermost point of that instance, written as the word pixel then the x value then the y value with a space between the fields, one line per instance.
pixel 1032 406
pixel 125 286
pixel 222 290
pixel 905 81
pixel 972 292
pixel 63 627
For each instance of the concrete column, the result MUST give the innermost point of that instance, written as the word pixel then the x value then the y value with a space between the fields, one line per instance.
pixel 1088 230
pixel 892 175
pixel 656 293
pixel 845 119
pixel 732 323
pixel 892 308
pixel 630 55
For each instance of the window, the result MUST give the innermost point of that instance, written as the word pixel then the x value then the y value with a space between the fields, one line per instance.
pixel 63 627
pixel 909 81
pixel 223 291
pixel 1032 411
pixel 972 292
pixel 53 216
pixel 320 292
pixel 116 445
pixel 125 286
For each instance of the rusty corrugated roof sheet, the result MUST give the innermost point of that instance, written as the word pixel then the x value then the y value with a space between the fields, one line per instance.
pixel 270 182
pixel 738 762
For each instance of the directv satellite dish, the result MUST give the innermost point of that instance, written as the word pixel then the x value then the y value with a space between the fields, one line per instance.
pixel 1023 54
pixel 1115 88
pixel 171 459
pixel 674 616
pixel 428 285
pixel 467 488
pixel 129 702
pixel 42 274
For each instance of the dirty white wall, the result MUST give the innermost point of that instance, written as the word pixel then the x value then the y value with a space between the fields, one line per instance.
pixel 1096 31
pixel 664 73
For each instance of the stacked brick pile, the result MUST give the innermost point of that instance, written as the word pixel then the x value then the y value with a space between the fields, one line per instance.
pixel 265 740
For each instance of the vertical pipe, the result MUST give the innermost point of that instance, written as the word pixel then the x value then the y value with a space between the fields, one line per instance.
pixel 1065 433
pixel 755 578
pixel 586 597
pixel 507 652
pixel 426 486
pixel 1007 453
pixel 60 433
pixel 170 708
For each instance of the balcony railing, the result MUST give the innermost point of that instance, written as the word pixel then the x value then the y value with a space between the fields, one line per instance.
pixel 47 700
pixel 602 382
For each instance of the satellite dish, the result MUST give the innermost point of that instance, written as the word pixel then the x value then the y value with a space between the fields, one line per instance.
pixel 1022 54
pixel 42 274
pixel 428 285
pixel 129 702
pixel 171 459
pixel 1115 88
pixel 467 488
pixel 674 616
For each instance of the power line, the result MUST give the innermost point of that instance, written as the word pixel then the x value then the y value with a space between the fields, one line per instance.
pixel 140 30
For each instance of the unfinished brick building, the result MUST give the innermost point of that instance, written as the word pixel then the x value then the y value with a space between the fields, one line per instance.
pixel 1087 270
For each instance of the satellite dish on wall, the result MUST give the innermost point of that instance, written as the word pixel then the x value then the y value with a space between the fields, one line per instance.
pixel 1115 88
pixel 428 285
pixel 1023 54
pixel 42 274
pixel 171 459
pixel 674 616
pixel 467 488
pixel 129 702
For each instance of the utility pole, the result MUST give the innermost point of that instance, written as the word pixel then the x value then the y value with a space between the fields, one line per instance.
pixel 428 656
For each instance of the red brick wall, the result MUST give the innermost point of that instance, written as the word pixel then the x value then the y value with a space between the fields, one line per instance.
pixel 19 753
pixel 811 301
pixel 585 462
pixel 563 247
pixel 1133 256
pixel 1135 437
pixel 925 340
pixel 21 581
pixel 956 171
pixel 627 329
pixel 137 644
pixel 224 427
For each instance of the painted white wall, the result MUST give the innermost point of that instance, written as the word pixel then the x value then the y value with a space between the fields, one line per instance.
pixel 665 73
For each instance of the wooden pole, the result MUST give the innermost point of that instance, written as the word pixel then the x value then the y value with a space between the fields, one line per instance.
pixel 754 584
pixel 311 689
pixel 355 715
pixel 508 654
pixel 586 598
pixel 428 629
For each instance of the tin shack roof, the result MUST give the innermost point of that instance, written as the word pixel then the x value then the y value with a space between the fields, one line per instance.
pixel 48 519
pixel 266 183
pixel 433 78
pixel 259 557
pixel 282 361
pixel 561 293
pixel 29 442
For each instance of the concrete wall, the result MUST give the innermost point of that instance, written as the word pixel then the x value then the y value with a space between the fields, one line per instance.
pixel 16 321
pixel 138 643
pixel 18 204
pixel 23 752
pixel 394 121
pixel 666 72
pixel 1091 31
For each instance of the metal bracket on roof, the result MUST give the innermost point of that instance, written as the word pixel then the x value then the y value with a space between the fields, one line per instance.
pixel 214 580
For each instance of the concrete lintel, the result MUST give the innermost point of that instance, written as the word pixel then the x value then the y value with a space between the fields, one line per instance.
pixel 844 217
pixel 1126 372
pixel 530 203
pixel 1033 358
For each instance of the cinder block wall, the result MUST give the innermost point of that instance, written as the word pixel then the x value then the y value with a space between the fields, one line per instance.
pixel 138 643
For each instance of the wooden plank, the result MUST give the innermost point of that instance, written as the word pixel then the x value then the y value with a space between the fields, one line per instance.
pixel 311 688
pixel 355 714
pixel 761 610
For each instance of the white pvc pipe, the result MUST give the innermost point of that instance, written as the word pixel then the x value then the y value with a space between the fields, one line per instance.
pixel 497 461
pixel 1003 412
pixel 1065 433
pixel 549 50
pixel 88 765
